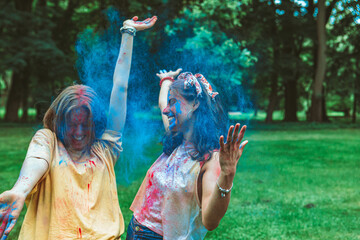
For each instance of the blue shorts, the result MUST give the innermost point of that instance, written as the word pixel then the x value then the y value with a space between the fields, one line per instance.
pixel 136 231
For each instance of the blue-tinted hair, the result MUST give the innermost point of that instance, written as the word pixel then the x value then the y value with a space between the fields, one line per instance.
pixel 210 122
pixel 71 97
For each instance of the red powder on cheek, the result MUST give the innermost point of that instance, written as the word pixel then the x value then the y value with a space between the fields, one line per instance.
pixel 80 235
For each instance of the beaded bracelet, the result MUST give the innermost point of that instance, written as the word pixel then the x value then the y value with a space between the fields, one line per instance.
pixel 166 78
pixel 129 30
pixel 223 191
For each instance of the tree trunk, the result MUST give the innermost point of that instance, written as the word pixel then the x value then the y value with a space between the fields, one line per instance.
pixel 273 97
pixel 316 99
pixel 25 92
pixel 291 100
pixel 20 77
pixel 324 116
pixel 13 101
pixel 356 99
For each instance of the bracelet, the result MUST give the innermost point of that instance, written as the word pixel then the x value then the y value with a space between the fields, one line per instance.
pixel 129 30
pixel 223 191
pixel 166 78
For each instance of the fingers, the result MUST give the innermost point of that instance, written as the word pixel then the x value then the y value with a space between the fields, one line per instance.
pixel 149 21
pixel 229 136
pixel 221 142
pixel 235 133
pixel 3 225
pixel 152 21
pixel 241 135
pixel 177 72
pixel 10 226
pixel 243 144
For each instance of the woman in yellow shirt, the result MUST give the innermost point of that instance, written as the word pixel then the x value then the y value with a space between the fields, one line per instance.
pixel 67 179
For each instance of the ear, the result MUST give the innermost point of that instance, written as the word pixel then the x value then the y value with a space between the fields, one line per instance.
pixel 196 104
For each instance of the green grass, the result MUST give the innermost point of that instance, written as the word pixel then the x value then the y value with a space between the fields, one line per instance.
pixel 294 181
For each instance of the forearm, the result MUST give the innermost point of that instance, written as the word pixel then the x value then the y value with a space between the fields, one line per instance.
pixel 164 90
pixel 217 206
pixel 163 95
pixel 31 172
pixel 117 107
pixel 123 63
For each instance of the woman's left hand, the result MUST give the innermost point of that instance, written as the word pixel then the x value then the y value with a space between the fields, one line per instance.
pixel 163 73
pixel 230 152
pixel 140 25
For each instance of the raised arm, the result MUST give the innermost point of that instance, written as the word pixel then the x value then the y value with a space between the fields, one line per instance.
pixel 218 177
pixel 166 78
pixel 117 108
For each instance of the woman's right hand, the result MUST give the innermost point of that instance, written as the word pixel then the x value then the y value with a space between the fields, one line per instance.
pixel 11 204
pixel 140 25
pixel 163 73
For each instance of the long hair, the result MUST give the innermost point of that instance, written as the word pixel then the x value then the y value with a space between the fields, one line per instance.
pixel 71 97
pixel 209 118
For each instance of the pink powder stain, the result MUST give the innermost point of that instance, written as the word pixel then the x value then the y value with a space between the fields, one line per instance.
pixel 88 197
pixel 152 196
pixel 92 162
pixel 81 98
pixel 80 235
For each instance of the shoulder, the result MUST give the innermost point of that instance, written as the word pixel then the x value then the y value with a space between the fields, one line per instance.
pixel 111 136
pixel 213 164
pixel 44 135
pixel 44 132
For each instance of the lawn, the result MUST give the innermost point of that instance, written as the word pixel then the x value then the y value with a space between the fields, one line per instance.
pixel 293 182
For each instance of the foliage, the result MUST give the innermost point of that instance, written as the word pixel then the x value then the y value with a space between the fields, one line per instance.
pixel 246 48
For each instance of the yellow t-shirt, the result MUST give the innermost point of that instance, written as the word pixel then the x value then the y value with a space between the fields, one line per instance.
pixel 74 200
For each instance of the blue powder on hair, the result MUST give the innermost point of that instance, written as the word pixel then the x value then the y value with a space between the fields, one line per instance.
pixel 97 53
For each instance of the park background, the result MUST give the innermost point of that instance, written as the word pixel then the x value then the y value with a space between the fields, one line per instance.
pixel 289 69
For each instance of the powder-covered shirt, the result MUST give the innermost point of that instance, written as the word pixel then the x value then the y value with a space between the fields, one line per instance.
pixel 167 201
pixel 74 200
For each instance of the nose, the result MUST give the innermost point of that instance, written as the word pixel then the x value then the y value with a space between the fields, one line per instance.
pixel 79 131
pixel 166 110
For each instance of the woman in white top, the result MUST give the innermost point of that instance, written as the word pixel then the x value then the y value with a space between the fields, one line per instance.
pixel 186 192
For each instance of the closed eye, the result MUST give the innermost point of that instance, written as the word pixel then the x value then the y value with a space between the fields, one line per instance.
pixel 172 101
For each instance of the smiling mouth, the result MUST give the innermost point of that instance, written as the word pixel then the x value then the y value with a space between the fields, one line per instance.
pixel 79 138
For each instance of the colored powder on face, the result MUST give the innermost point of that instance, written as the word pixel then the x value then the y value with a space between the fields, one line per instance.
pixel 80 234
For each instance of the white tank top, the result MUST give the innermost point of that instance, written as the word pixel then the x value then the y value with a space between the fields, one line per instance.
pixel 167 202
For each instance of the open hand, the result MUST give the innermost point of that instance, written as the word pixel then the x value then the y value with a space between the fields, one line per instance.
pixel 164 73
pixel 11 204
pixel 140 25
pixel 230 152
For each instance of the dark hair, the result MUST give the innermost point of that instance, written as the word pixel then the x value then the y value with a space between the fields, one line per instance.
pixel 71 97
pixel 210 122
